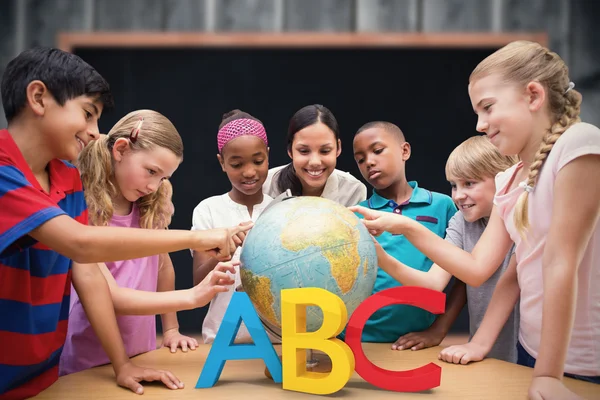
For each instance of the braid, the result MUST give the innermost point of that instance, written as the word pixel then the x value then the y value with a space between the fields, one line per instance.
pixel 570 116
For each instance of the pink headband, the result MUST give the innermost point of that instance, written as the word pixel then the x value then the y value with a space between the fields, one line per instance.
pixel 240 127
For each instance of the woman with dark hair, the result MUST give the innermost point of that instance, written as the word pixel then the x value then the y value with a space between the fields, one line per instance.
pixel 313 144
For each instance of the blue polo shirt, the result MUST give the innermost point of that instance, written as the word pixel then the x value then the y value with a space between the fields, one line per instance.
pixel 431 209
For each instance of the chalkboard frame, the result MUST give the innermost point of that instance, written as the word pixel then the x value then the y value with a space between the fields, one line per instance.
pixel 67 41
pixel 190 321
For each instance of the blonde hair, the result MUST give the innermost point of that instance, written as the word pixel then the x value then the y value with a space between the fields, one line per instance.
pixel 96 166
pixel 477 158
pixel 522 62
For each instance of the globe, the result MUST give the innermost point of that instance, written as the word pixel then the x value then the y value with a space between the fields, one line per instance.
pixel 304 242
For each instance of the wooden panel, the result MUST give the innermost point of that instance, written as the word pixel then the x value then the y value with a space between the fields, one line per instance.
pixel 129 15
pixel 7 44
pixel 245 15
pixel 387 15
pixel 45 18
pixel 319 15
pixel 456 15
pixel 184 15
pixel 314 40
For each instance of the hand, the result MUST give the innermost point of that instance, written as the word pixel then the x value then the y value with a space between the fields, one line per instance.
pixel 463 353
pixel 215 282
pixel 221 243
pixel 241 236
pixel 548 388
pixel 378 222
pixel 173 339
pixel 419 340
pixel 383 257
pixel 129 376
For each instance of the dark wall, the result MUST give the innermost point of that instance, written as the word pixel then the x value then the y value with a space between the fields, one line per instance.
pixel 423 91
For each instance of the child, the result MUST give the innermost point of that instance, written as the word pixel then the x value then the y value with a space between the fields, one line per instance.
pixel 381 152
pixel 313 144
pixel 126 175
pixel 243 152
pixel 548 204
pixel 470 169
pixel 52 101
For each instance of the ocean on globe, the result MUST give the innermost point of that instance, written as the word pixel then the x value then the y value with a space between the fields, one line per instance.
pixel 307 242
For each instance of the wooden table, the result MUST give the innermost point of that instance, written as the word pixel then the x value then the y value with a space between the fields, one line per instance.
pixel 488 379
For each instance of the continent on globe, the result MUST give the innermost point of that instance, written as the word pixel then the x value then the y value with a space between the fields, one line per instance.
pixel 259 287
pixel 307 242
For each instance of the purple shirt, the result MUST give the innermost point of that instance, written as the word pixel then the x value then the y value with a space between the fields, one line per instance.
pixel 82 348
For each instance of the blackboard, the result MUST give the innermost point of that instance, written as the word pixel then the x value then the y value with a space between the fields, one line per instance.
pixel 421 89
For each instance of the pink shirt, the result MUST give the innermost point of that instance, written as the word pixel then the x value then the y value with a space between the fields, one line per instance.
pixel 82 348
pixel 583 356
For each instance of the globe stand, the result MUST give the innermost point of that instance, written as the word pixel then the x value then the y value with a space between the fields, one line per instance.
pixel 311 361
pixel 315 362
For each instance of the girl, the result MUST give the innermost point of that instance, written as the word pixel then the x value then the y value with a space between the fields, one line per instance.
pixel 548 204
pixel 243 152
pixel 313 144
pixel 470 169
pixel 125 174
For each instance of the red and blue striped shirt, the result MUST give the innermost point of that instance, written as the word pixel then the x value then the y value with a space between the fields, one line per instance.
pixel 35 281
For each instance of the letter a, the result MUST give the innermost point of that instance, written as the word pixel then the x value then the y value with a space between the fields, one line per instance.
pixel 295 341
pixel 223 348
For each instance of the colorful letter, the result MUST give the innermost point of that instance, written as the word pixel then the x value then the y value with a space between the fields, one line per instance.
pixel 223 348
pixel 295 341
pixel 414 380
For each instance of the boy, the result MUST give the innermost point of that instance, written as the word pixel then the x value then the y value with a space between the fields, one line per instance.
pixel 52 101
pixel 470 169
pixel 381 151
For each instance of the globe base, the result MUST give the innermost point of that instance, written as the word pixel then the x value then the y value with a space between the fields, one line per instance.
pixel 316 362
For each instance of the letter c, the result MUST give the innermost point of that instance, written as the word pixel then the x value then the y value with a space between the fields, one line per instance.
pixel 414 380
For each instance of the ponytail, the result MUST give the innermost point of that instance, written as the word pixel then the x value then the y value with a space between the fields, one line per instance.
pixel 95 165
pixel 286 179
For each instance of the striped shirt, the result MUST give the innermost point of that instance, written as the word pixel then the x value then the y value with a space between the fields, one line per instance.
pixel 35 280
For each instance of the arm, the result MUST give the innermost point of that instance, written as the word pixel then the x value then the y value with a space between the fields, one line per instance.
pixel 570 231
pixel 95 298
pixel 138 302
pixel 503 301
pixel 170 326
pixel 501 305
pixel 436 278
pixel 472 268
pixel 454 305
pixel 203 264
pixel 90 244
pixel 166 283
pixel 434 335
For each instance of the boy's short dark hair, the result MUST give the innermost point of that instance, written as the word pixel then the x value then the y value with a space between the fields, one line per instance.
pixel 387 126
pixel 65 75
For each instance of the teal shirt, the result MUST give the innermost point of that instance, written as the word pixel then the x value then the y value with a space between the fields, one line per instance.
pixel 431 209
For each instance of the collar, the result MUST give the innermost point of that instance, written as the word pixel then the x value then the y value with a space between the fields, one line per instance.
pixel 331 187
pixel 419 195
pixel 57 170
